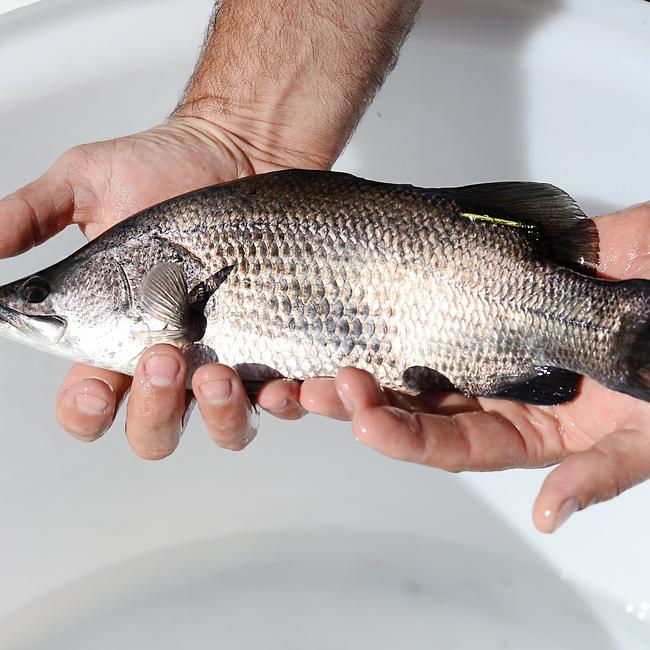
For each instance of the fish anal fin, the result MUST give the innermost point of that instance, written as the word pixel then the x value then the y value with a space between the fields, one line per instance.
pixel 566 233
pixel 548 387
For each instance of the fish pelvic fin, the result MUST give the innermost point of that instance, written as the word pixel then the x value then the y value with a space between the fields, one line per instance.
pixel 164 294
pixel 549 214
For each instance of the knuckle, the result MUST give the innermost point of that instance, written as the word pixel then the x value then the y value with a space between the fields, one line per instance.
pixel 73 157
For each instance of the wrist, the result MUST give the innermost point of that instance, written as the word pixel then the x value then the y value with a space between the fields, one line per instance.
pixel 261 137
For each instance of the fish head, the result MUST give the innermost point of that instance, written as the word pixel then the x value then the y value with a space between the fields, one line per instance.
pixel 28 312
pixel 77 309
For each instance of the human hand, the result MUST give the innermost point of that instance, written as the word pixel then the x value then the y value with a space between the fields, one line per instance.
pixel 601 440
pixel 97 185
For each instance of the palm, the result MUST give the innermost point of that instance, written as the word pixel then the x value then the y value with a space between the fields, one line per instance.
pixel 114 179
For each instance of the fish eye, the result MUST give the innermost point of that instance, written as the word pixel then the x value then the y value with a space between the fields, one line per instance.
pixel 35 289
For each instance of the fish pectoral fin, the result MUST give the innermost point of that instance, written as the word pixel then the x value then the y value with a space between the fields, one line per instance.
pixel 550 214
pixel 163 294
pixel 203 291
pixel 548 387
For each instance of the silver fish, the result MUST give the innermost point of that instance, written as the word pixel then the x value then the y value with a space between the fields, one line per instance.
pixel 487 289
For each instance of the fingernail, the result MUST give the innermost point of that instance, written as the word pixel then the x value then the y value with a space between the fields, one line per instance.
pixel 161 370
pixel 566 510
pixel 216 392
pixel 90 404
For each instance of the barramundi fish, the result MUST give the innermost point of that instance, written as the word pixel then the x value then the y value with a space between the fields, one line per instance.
pixel 488 289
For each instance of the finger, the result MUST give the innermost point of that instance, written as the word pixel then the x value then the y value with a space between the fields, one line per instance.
pixel 157 404
pixel 224 406
pixel 478 441
pixel 318 395
pixel 358 390
pixel 281 397
pixel 36 211
pixel 616 463
pixel 88 400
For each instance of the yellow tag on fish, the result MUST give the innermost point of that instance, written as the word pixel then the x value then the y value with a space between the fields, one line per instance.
pixel 486 217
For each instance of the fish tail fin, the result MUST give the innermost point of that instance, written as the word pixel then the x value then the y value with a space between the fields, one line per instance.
pixel 632 342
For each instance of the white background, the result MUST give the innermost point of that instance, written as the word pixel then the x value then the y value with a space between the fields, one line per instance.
pixel 550 90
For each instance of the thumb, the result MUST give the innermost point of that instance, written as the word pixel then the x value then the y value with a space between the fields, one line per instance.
pixel 36 211
pixel 616 463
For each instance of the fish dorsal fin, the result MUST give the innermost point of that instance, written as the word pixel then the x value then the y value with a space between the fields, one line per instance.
pixel 163 294
pixel 549 213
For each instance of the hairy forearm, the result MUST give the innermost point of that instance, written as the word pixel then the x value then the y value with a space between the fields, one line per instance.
pixel 291 78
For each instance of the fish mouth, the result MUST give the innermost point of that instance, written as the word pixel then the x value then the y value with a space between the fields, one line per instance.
pixel 47 329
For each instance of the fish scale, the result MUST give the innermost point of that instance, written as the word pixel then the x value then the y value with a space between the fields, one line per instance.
pixel 402 295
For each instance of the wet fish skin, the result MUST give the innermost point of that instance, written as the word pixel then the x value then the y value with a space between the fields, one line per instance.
pixel 332 270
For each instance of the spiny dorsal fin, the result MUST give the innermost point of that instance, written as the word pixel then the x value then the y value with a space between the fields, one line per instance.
pixel 571 238
pixel 203 291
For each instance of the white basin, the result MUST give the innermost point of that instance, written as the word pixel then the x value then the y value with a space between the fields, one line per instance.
pixel 308 540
